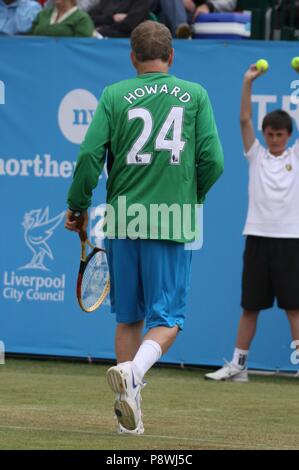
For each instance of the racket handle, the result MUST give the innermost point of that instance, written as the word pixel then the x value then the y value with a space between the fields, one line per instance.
pixel 80 218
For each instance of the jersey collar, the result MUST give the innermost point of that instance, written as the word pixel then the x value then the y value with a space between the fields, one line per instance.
pixel 283 155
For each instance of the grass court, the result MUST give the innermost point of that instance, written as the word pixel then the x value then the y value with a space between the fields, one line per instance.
pixel 65 405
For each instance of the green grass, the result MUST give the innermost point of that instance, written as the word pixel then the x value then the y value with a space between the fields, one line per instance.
pixel 58 405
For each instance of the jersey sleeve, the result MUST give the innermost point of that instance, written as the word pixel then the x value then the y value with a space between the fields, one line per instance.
pixel 209 154
pixel 254 150
pixel 91 158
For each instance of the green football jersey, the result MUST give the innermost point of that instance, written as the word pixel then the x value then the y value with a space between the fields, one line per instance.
pixel 164 155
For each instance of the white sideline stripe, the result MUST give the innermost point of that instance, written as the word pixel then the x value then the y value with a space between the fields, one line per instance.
pixel 156 436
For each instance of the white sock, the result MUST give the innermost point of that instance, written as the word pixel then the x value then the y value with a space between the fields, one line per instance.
pixel 148 353
pixel 240 357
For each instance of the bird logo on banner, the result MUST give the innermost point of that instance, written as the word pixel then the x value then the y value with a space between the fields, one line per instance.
pixel 38 230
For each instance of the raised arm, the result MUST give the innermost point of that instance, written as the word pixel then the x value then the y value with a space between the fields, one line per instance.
pixel 247 130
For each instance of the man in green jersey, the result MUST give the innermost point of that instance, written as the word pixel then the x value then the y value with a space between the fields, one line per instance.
pixel 164 155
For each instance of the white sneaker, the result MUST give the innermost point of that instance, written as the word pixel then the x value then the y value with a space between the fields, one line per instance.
pixel 127 406
pixel 229 372
pixel 136 432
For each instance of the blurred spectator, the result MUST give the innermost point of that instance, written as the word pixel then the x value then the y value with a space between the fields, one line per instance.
pixel 118 18
pixel 16 16
pixel 286 13
pixel 84 5
pixel 173 14
pixel 64 19
pixel 197 7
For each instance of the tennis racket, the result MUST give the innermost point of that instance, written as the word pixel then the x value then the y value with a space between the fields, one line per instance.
pixel 93 283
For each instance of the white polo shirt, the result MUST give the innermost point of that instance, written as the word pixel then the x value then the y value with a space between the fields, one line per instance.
pixel 273 193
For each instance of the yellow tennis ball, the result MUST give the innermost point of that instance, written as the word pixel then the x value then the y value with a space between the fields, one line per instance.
pixel 295 63
pixel 262 65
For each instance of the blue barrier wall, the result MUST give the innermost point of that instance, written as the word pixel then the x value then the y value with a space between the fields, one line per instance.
pixel 48 92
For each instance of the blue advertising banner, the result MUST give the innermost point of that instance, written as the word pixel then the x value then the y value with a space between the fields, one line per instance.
pixel 49 90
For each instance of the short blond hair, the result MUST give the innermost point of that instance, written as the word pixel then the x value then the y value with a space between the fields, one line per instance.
pixel 150 41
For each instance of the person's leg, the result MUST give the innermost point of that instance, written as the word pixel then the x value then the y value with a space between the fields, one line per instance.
pixel 125 291
pixel 236 369
pixel 246 329
pixel 164 336
pixel 287 282
pixel 134 358
pixel 173 14
pixel 122 258
pixel 124 380
pixel 165 271
pixel 257 294
pixel 293 316
pixel 156 342
pixel 246 332
pixel 128 338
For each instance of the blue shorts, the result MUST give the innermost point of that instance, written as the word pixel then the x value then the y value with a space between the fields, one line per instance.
pixel 149 280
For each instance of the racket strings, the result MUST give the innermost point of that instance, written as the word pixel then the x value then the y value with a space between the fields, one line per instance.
pixel 94 281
